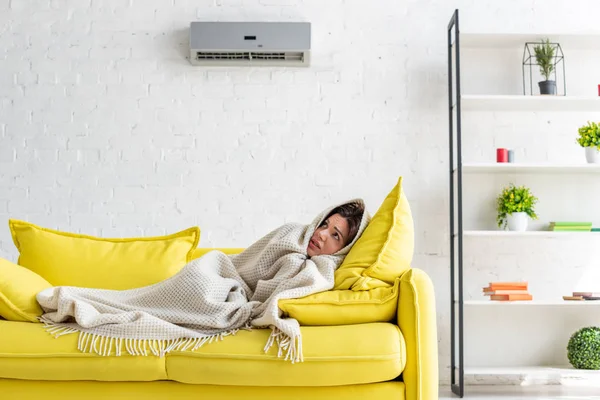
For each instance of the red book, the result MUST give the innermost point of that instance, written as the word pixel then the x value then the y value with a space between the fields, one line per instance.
pixel 510 297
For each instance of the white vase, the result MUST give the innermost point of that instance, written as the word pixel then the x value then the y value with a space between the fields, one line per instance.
pixel 592 155
pixel 517 221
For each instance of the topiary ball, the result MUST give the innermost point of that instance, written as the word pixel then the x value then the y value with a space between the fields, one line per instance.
pixel 583 349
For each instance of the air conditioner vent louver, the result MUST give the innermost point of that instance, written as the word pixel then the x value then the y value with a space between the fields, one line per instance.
pixel 250 55
pixel 250 44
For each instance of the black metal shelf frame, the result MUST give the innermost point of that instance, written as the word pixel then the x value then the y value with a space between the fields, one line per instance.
pixel 456 239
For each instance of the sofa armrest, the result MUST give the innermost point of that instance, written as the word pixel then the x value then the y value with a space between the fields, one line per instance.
pixel 417 321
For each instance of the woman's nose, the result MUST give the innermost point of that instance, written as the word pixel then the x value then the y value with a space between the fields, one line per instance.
pixel 322 235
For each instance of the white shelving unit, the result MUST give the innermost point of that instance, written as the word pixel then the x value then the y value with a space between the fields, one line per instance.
pixel 558 369
pixel 529 103
pixel 524 311
pixel 547 168
pixel 579 41
pixel 549 375
pixel 540 234
pixel 535 303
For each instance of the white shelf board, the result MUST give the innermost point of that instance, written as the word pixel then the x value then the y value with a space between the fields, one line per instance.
pixel 503 168
pixel 568 41
pixel 530 103
pixel 559 369
pixel 548 234
pixel 530 375
pixel 533 303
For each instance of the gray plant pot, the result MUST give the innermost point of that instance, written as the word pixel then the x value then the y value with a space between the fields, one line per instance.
pixel 547 87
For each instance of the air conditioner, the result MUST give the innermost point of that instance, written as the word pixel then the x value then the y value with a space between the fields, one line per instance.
pixel 285 44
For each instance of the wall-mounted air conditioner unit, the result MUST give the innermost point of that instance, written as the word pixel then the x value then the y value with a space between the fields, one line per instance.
pixel 284 44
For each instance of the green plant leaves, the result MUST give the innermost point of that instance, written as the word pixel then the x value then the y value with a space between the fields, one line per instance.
pixel 583 349
pixel 589 135
pixel 544 55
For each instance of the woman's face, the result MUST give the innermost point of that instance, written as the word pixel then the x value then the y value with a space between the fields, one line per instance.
pixel 330 237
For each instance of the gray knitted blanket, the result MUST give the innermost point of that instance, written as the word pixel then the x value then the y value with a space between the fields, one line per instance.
pixel 210 298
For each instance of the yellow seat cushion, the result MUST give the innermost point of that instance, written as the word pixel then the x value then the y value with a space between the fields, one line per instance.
pixel 344 307
pixel 385 249
pixel 333 355
pixel 28 352
pixel 18 287
pixel 68 259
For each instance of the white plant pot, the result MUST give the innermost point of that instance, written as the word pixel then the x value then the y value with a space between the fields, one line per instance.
pixel 592 155
pixel 517 221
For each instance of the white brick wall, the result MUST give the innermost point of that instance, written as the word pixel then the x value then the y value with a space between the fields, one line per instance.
pixel 106 129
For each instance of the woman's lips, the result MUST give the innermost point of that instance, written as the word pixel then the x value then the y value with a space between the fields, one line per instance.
pixel 314 244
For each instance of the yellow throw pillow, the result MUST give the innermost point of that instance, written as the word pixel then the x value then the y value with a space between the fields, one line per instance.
pixel 68 259
pixel 385 249
pixel 18 288
pixel 344 307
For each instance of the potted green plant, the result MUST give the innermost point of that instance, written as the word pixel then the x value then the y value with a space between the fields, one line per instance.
pixel 544 55
pixel 589 138
pixel 514 205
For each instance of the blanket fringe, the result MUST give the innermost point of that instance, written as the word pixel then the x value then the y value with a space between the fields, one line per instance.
pixel 107 345
pixel 284 342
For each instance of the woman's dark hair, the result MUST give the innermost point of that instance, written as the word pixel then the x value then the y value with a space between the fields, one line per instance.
pixel 353 213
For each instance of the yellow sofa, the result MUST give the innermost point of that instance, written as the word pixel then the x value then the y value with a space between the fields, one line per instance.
pixel 346 354
pixel 391 360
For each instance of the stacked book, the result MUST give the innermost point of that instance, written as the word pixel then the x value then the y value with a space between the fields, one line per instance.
pixel 583 296
pixel 570 226
pixel 507 291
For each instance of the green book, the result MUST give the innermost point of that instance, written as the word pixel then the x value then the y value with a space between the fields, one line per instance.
pixel 567 223
pixel 595 230
pixel 571 229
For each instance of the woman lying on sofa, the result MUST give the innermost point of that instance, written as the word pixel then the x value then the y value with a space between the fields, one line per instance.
pixel 214 295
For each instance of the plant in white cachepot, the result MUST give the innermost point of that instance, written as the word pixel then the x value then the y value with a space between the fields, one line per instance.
pixel 515 205
pixel 589 138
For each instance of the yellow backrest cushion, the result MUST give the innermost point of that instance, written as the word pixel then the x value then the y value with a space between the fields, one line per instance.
pixel 385 249
pixel 344 307
pixel 68 259
pixel 18 288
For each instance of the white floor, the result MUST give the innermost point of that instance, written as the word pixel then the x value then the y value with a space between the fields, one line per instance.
pixel 523 392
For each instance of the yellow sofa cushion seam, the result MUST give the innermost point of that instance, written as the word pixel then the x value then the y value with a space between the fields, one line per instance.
pixel 391 356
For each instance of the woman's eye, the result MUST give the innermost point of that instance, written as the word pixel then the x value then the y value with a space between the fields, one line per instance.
pixel 336 236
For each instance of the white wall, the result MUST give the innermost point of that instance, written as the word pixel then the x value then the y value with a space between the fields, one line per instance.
pixel 106 128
